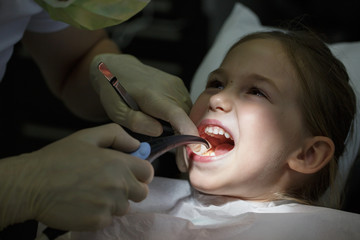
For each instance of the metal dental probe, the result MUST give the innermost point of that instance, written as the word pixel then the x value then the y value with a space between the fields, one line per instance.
pixel 118 87
pixel 154 148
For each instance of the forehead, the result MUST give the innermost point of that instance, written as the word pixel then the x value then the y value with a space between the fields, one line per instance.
pixel 259 52
pixel 264 57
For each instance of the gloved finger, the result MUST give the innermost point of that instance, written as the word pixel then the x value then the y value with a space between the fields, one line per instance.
pixel 121 206
pixel 110 135
pixel 180 160
pixel 176 93
pixel 119 112
pixel 130 181
pixel 182 123
pixel 136 121
pixel 168 110
pixel 138 192
pixel 142 170
pixel 159 104
pixel 140 122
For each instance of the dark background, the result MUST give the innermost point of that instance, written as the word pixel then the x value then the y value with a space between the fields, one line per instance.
pixel 172 35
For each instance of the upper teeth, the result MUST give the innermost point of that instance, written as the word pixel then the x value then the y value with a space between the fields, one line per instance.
pixel 217 131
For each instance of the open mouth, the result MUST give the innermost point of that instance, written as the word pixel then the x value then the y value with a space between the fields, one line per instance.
pixel 221 142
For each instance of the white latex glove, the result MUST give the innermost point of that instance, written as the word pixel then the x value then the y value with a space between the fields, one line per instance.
pixel 158 94
pixel 77 183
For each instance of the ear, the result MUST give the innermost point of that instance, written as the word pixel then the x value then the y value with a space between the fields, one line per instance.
pixel 314 155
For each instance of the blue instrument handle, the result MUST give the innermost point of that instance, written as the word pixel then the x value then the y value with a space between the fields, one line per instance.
pixel 143 151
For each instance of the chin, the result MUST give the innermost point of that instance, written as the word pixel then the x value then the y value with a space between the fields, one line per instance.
pixel 205 184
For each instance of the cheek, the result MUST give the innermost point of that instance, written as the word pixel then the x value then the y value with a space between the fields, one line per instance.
pixel 269 127
pixel 199 109
pixel 260 125
pixel 255 116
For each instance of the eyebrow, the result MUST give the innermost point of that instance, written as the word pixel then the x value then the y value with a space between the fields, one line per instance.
pixel 217 71
pixel 261 78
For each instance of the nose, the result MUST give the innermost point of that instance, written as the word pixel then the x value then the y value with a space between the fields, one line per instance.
pixel 220 102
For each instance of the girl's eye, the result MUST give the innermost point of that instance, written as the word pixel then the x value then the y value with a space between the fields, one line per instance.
pixel 256 91
pixel 215 84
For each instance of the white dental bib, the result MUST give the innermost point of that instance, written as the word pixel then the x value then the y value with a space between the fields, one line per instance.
pixel 173 210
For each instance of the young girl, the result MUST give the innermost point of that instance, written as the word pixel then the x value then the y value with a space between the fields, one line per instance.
pixel 286 107
pixel 277 113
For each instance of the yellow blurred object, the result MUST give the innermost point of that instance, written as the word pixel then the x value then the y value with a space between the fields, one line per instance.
pixel 92 14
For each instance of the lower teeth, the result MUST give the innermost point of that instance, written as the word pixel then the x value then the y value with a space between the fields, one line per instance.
pixel 206 153
pixel 200 151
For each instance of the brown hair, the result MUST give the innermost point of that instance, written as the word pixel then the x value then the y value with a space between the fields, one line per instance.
pixel 328 101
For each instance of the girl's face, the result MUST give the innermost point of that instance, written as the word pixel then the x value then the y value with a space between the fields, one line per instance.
pixel 249 112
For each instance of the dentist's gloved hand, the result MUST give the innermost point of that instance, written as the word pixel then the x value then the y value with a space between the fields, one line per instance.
pixel 158 95
pixel 77 183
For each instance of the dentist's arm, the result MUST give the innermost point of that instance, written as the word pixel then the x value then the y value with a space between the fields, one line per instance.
pixel 64 58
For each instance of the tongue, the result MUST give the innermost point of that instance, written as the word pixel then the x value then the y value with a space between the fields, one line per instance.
pixel 223 148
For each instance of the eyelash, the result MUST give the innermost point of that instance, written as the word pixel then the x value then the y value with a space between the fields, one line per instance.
pixel 253 90
pixel 257 91
pixel 215 84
